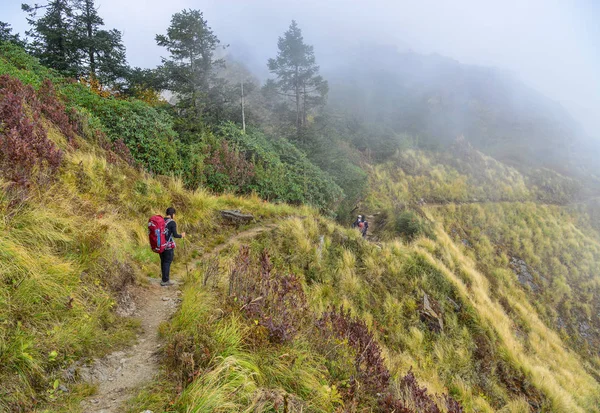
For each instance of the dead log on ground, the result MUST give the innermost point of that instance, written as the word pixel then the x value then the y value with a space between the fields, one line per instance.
pixel 236 216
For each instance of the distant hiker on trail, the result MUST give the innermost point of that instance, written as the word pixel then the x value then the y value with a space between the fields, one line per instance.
pixel 161 231
pixel 361 224
pixel 364 227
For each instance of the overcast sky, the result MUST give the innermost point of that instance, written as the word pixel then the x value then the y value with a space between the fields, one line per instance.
pixel 554 46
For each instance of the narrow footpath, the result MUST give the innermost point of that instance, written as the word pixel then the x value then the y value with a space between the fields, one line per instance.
pixel 119 374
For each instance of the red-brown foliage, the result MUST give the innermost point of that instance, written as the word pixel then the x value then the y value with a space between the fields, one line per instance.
pixel 54 109
pixel 225 160
pixel 276 301
pixel 117 150
pixel 416 399
pixel 371 373
pixel 372 376
pixel 24 142
pixel 278 305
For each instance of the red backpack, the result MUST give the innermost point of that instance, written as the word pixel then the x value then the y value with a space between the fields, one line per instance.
pixel 157 227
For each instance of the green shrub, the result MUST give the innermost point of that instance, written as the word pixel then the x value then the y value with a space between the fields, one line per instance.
pixel 147 131
pixel 227 160
pixel 410 226
pixel 283 172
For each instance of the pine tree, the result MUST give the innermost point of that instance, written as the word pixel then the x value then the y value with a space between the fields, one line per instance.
pixel 69 38
pixel 7 36
pixel 87 22
pixel 191 68
pixel 53 35
pixel 112 60
pixel 297 74
pixel 102 51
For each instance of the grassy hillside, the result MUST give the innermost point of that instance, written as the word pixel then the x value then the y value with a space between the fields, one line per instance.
pixel 541 252
pixel 463 174
pixel 525 234
pixel 305 317
pixel 262 327
pixel 72 248
pixel 535 241
pixel 74 209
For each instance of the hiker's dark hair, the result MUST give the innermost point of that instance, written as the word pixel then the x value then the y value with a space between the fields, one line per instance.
pixel 170 211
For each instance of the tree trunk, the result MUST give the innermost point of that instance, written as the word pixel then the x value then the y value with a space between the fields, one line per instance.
pixel 243 114
pixel 62 47
pixel 193 82
pixel 304 106
pixel 91 51
pixel 297 85
pixel 236 216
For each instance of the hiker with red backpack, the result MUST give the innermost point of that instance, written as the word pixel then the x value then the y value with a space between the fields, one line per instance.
pixel 161 231
pixel 362 225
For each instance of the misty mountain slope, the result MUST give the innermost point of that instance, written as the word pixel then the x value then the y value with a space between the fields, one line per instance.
pixel 526 235
pixel 436 99
pixel 475 291
pixel 308 317
pixel 463 174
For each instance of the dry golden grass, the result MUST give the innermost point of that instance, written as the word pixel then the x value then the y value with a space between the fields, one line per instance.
pixel 71 245
pixel 555 370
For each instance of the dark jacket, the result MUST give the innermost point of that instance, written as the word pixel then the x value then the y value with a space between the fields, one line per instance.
pixel 171 231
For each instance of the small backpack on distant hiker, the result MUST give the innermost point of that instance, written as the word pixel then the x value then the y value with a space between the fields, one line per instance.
pixel 157 229
pixel 363 228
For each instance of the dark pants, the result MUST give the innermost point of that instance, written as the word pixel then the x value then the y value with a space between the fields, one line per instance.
pixel 166 258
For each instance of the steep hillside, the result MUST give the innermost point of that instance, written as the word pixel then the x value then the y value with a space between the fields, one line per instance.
pixel 541 251
pixel 531 239
pixel 276 334
pixel 220 158
pixel 462 174
pixel 75 246
pixel 475 293
pixel 75 210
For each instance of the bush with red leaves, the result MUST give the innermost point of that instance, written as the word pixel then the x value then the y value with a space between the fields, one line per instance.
pixel 372 378
pixel 116 150
pixel 278 304
pixel 416 399
pixel 122 151
pixel 55 110
pixel 27 154
pixel 276 301
pixel 371 373
pixel 227 169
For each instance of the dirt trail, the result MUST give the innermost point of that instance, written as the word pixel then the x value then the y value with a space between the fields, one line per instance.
pixel 120 373
pixel 250 233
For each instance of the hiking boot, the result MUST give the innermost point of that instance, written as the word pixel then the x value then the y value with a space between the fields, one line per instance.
pixel 167 283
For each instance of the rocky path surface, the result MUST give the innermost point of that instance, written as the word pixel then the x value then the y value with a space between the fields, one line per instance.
pixel 120 373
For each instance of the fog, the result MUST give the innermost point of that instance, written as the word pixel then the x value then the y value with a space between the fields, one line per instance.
pixel 550 45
